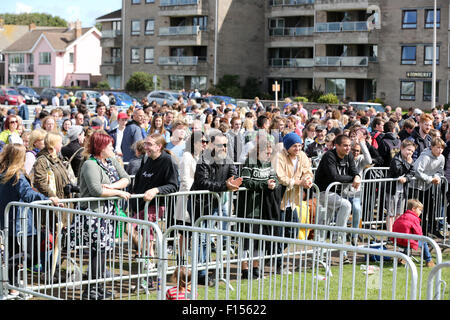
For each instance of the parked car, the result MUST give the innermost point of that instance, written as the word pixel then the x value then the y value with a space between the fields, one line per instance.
pixel 162 96
pixel 216 100
pixel 91 96
pixel 123 100
pixel 366 105
pixel 9 96
pixel 31 96
pixel 49 93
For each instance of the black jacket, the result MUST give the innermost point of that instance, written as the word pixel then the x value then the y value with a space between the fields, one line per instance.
pixel 210 176
pixel 334 169
pixel 314 148
pixel 161 173
pixel 377 160
pixel 399 167
pixel 388 147
pixel 420 142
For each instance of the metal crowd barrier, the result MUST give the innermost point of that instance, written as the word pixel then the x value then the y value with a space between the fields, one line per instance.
pixel 298 275
pixel 430 288
pixel 53 253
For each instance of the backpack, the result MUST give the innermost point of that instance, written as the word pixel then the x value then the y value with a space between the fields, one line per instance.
pixel 374 140
pixel 68 164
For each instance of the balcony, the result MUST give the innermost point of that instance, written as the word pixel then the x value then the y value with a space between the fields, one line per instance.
pixel 350 26
pixel 341 61
pixel 21 68
pixel 278 3
pixel 291 32
pixel 179 31
pixel 111 33
pixel 113 60
pixel 291 63
pixel 170 3
pixel 178 61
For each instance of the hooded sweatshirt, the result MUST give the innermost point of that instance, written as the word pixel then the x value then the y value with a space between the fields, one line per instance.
pixel 426 167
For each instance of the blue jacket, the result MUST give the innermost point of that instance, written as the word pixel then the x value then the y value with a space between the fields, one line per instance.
pixel 132 134
pixel 21 191
pixel 23 112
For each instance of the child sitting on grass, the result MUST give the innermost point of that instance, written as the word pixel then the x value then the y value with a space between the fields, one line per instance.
pixel 182 277
pixel 410 223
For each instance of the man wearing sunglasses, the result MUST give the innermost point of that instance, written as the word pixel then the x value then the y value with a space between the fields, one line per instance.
pixel 214 172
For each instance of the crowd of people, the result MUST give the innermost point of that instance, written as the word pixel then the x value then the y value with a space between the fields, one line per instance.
pixel 270 150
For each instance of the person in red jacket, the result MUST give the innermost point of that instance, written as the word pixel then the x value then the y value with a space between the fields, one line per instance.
pixel 410 223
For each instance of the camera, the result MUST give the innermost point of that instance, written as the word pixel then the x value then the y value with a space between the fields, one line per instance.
pixel 70 188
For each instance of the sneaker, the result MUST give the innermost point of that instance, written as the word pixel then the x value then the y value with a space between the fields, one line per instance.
pixel 347 261
pixel 430 264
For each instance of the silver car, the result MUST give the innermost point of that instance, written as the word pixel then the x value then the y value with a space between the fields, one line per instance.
pixel 162 96
pixel 91 95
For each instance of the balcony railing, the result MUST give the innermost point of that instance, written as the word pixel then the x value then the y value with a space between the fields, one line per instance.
pixel 168 3
pixel 341 61
pixel 291 63
pixel 21 67
pixel 113 60
pixel 342 26
pixel 276 3
pixel 111 33
pixel 178 61
pixel 179 31
pixel 291 32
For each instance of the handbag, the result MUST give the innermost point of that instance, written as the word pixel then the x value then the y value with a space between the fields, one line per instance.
pixel 120 225
pixel 51 181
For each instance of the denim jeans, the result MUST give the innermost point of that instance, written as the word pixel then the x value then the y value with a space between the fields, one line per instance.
pixel 426 250
pixel 356 211
pixel 336 205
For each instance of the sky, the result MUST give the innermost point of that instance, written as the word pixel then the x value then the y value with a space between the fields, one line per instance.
pixel 70 10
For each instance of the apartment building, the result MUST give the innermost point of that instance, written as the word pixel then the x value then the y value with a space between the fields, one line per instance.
pixel 357 49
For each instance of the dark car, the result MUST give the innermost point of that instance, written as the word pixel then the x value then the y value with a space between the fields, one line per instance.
pixel 49 93
pixel 31 96
pixel 9 96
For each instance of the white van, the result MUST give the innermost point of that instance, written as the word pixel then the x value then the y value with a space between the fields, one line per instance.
pixel 366 105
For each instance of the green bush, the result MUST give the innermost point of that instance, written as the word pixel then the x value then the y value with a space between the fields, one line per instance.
pixel 103 85
pixel 315 94
pixel 328 98
pixel 140 81
pixel 301 99
pixel 251 88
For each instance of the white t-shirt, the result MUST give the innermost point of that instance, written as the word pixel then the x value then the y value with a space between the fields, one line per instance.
pixel 119 138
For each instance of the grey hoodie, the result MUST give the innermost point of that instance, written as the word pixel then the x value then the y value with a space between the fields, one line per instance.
pixel 426 167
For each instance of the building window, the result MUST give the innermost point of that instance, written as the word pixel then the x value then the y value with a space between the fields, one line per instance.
pixel 44 81
pixel 149 1
pixel 116 55
pixel 117 26
pixel 202 22
pixel 176 82
pixel 149 55
pixel 198 83
pixel 135 27
pixel 71 57
pixel 428 55
pixel 427 90
pixel 45 58
pixel 336 87
pixel 409 20
pixel 149 26
pixel 135 1
pixel 409 55
pixel 135 55
pixel 408 90
pixel 429 18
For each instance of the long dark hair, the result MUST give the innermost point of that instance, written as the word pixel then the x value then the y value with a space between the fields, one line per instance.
pixel 193 138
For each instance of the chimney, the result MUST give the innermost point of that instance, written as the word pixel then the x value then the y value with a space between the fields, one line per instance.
pixel 71 25
pixel 31 27
pixel 77 29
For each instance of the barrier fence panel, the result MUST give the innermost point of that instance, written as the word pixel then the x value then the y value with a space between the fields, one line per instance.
pixel 431 293
pixel 64 253
pixel 299 271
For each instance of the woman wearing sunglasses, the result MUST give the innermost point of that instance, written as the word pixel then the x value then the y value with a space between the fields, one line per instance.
pixel 11 125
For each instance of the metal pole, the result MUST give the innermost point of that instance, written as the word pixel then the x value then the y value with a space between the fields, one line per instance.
pixel 216 34
pixel 433 84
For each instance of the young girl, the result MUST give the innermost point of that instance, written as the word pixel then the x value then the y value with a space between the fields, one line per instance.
pixel 181 291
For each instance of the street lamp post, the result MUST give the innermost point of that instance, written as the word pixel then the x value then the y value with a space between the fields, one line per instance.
pixel 433 84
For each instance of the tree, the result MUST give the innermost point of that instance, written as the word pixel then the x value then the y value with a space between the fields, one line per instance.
pixel 140 81
pixel 39 19
pixel 251 88
pixel 103 85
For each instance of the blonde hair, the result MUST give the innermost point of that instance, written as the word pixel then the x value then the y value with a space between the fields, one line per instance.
pixel 51 139
pixel 36 135
pixel 413 203
pixel 12 161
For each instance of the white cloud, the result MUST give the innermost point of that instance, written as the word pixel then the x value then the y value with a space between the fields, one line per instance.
pixel 23 8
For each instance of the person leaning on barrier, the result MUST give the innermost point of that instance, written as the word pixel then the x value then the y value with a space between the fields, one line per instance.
pixel 401 167
pixel 101 176
pixel 429 170
pixel 15 186
pixel 337 165
pixel 420 135
pixel 260 201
